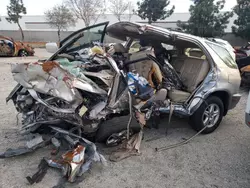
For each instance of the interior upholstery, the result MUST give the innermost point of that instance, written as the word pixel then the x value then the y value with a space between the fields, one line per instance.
pixel 192 72
pixel 178 63
pixel 178 95
pixel 196 53
pixel 150 70
pixel 146 68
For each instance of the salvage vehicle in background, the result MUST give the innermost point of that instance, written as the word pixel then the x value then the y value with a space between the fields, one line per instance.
pixel 243 62
pixel 11 48
pixel 245 75
pixel 82 89
pixel 244 50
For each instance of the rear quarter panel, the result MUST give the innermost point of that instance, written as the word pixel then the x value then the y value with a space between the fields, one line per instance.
pixel 228 79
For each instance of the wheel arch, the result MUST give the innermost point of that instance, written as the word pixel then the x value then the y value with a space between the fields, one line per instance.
pixel 225 97
pixel 20 50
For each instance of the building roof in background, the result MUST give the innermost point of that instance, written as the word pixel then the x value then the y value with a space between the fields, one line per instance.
pixel 39 22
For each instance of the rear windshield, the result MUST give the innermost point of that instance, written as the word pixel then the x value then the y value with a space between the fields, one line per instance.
pixel 224 55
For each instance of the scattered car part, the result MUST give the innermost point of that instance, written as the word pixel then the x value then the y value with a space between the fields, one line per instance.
pixel 73 161
pixel 130 148
pixel 39 175
pixel 31 146
pixel 15 152
pixel 117 138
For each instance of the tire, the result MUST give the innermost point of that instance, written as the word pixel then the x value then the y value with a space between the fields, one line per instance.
pixel 22 53
pixel 115 125
pixel 201 115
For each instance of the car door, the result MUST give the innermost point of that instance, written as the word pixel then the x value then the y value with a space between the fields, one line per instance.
pixel 82 38
pixel 92 33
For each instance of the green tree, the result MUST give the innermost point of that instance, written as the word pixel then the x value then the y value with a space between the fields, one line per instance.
pixel 154 10
pixel 60 17
pixel 242 23
pixel 15 11
pixel 206 20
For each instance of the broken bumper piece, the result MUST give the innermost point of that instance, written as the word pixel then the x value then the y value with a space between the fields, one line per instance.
pixel 73 163
pixel 31 145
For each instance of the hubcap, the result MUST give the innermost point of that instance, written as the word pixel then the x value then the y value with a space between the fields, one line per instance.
pixel 211 115
pixel 23 54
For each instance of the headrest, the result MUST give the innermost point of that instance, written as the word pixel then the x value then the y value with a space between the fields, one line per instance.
pixel 196 53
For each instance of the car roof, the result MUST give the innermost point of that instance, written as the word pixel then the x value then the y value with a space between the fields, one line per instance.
pixel 121 27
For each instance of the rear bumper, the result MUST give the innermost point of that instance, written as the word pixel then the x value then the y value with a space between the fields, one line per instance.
pixel 235 100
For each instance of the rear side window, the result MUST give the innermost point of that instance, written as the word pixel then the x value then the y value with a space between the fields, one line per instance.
pixel 224 55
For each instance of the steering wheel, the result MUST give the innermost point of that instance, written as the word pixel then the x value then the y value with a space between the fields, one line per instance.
pixel 169 72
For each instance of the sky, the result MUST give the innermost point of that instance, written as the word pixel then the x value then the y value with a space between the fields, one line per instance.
pixel 38 7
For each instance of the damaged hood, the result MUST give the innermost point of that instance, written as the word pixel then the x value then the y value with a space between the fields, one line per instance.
pixel 53 79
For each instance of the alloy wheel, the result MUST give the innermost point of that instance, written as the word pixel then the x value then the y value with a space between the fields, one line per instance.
pixel 211 115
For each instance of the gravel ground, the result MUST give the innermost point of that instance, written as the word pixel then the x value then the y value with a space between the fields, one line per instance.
pixel 217 160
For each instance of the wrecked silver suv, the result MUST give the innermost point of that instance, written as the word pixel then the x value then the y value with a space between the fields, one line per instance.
pixel 89 93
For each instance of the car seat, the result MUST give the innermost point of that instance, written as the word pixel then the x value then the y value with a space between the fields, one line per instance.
pixel 193 71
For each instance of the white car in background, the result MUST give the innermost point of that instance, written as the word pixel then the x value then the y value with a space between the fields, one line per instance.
pixel 248 111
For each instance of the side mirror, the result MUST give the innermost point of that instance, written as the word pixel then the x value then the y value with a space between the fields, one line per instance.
pixel 51 47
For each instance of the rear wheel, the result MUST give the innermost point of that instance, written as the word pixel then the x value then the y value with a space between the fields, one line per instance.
pixel 115 125
pixel 23 53
pixel 209 114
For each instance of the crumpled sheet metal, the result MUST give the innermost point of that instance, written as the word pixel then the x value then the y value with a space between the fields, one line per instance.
pixel 93 154
pixel 56 78
pixel 30 146
pixel 77 161
pixel 130 148
pixel 80 81
pixel 48 78
pixel 104 75
pixel 73 163
pixel 96 110
pixel 70 163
